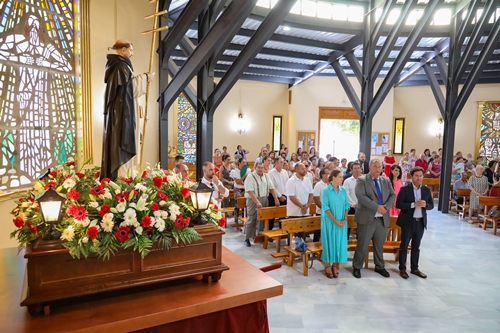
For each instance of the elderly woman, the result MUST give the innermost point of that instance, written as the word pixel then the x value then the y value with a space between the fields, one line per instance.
pixel 478 185
pixel 405 165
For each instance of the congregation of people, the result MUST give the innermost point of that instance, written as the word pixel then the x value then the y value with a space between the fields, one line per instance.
pixel 372 191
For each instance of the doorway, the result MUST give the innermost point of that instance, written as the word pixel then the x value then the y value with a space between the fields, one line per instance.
pixel 339 133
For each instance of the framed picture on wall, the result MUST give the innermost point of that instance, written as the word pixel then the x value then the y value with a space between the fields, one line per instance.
pixel 399 129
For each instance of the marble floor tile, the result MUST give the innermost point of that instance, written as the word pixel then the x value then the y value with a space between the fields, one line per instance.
pixel 461 293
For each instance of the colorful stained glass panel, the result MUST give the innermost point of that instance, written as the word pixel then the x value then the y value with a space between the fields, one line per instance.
pixel 186 129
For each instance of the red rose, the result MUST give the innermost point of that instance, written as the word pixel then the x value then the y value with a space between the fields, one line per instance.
pixel 53 173
pixel 222 222
pixel 122 233
pixel 103 210
pixel 187 221
pixel 162 195
pixel 80 213
pixel 97 174
pixel 33 228
pixel 146 221
pixel 73 194
pixel 80 175
pixel 50 184
pixel 105 180
pixel 92 232
pixel 71 210
pixel 157 181
pixel 144 174
pixel 121 197
pixel 179 221
pixel 72 163
pixel 155 206
pixel 185 192
pixel 18 221
pixel 97 190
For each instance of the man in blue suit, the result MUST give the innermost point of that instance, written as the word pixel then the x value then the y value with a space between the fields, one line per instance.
pixel 414 200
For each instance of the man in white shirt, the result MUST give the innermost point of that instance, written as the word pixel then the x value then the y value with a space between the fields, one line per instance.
pixel 279 177
pixel 211 180
pixel 350 185
pixel 263 152
pixel 318 189
pixel 257 186
pixel 299 194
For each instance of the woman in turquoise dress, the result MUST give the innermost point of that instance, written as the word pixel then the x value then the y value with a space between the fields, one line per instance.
pixel 334 208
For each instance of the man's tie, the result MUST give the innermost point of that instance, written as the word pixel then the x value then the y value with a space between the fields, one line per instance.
pixel 379 193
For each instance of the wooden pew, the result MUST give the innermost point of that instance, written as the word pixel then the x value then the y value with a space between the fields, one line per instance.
pixel 239 222
pixel 270 213
pixel 227 210
pixel 303 224
pixel 463 209
pixel 489 202
pixel 429 182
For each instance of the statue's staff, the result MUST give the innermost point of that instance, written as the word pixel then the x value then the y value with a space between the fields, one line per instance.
pixel 151 52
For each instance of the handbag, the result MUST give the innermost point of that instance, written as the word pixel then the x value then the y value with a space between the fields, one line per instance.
pixel 301 246
pixel 494 212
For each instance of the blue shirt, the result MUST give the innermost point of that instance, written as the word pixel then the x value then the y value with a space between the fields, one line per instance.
pixel 418 196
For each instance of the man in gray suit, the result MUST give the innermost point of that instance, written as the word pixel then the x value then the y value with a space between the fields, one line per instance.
pixel 375 198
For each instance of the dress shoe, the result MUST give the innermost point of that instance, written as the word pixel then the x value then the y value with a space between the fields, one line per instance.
pixel 247 243
pixel 383 272
pixel 403 274
pixel 356 273
pixel 419 274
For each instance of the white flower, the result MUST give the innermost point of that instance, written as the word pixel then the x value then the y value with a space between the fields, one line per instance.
pixel 163 203
pixel 69 183
pixel 142 203
pixel 115 186
pixel 136 224
pixel 85 240
pixel 174 209
pixel 208 211
pixel 121 207
pixel 159 224
pixel 138 230
pixel 107 194
pixel 93 223
pixel 173 216
pixel 86 222
pixel 141 187
pixel 130 216
pixel 26 204
pixel 157 213
pixel 68 234
pixel 164 214
pixel 94 204
pixel 107 225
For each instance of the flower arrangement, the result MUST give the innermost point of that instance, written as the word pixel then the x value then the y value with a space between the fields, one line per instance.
pixel 102 216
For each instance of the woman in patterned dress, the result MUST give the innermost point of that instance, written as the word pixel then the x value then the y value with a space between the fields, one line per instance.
pixel 478 185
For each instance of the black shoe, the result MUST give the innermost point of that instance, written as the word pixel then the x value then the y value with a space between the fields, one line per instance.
pixel 356 273
pixel 247 243
pixel 383 272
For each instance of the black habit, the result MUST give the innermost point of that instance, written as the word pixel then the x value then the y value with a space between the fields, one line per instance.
pixel 118 144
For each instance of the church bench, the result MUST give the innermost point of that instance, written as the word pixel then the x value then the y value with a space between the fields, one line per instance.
pixel 431 183
pixel 303 224
pixel 239 222
pixel 463 208
pixel 489 202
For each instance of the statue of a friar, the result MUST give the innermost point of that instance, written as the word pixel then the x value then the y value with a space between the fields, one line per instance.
pixel 121 118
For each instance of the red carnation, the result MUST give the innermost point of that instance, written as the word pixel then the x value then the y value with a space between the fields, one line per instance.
pixel 80 213
pixel 222 222
pixel 50 184
pixel 165 179
pixel 97 174
pixel 121 197
pixel 104 209
pixel 122 233
pixel 155 206
pixel 53 173
pixel 80 175
pixel 216 209
pixel 71 210
pixel 185 192
pixel 144 174
pixel 18 221
pixel 162 195
pixel 92 232
pixel 97 190
pixel 179 221
pixel 146 221
pixel 187 221
pixel 33 228
pixel 157 181
pixel 127 180
pixel 72 163
pixel 73 194
pixel 105 180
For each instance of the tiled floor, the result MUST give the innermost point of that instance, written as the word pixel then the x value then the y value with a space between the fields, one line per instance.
pixel 461 293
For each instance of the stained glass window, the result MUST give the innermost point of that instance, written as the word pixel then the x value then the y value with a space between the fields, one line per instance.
pixel 37 88
pixel 489 142
pixel 186 132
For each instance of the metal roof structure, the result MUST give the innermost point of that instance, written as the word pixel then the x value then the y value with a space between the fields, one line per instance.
pixel 303 46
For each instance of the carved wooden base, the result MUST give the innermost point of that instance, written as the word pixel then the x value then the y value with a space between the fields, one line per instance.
pixel 52 274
